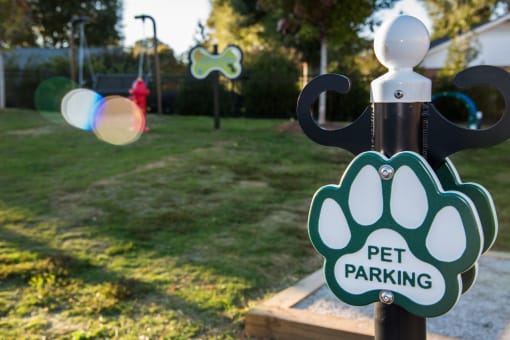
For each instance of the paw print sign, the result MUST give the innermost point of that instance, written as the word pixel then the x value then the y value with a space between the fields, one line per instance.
pixel 390 230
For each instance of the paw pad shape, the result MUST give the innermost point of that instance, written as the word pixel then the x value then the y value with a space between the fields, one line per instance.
pixel 390 226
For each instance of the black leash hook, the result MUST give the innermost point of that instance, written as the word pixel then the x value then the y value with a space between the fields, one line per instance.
pixel 445 138
pixel 355 137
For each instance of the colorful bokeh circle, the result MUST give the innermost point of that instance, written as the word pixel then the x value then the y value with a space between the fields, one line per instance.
pixel 79 106
pixel 118 121
pixel 48 96
pixel 113 119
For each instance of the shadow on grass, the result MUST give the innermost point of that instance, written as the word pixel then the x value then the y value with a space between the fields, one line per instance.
pixel 70 277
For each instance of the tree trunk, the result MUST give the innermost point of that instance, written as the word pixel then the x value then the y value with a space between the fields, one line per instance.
pixel 323 70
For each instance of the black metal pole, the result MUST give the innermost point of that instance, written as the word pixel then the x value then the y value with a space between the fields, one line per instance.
pixel 397 127
pixel 395 323
pixel 216 93
pixel 72 58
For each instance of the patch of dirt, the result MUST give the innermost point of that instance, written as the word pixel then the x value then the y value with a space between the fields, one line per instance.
pixel 253 184
pixel 161 163
pixel 32 132
pixel 76 202
pixel 292 127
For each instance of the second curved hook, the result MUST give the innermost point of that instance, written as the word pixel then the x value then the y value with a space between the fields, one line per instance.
pixel 355 137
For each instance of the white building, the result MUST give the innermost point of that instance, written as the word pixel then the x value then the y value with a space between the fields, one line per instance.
pixel 493 42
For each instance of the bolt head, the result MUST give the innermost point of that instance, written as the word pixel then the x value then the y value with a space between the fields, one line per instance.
pixel 386 172
pixel 399 94
pixel 386 297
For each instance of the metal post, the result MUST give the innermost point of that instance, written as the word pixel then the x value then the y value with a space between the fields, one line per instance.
pixel 216 93
pixel 397 127
pixel 398 99
pixel 395 323
pixel 156 59
pixel 72 66
pixel 72 59
pixel 81 54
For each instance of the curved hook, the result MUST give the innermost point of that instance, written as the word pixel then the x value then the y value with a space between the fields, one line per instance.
pixel 446 138
pixel 355 137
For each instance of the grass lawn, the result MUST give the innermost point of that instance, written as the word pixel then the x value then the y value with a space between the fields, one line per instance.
pixel 174 236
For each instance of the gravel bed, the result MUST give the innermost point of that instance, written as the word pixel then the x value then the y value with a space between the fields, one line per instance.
pixel 481 313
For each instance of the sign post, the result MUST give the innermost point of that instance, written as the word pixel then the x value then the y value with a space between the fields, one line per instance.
pixel 401 229
pixel 216 92
pixel 398 126
pixel 202 63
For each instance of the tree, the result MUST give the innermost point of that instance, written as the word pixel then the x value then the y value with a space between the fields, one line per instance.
pixel 15 23
pixel 47 22
pixel 307 24
pixel 232 23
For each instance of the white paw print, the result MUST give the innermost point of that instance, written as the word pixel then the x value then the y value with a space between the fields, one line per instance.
pixel 390 226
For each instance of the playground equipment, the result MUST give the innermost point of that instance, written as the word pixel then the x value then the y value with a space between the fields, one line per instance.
pixel 123 84
pixel 113 119
pixel 104 84
pixel 139 91
pixel 156 58
pixel 82 50
pixel 474 115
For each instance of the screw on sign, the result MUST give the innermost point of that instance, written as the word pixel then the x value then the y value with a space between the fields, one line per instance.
pixel 401 229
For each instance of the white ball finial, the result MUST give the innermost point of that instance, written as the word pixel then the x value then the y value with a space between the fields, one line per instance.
pixel 401 43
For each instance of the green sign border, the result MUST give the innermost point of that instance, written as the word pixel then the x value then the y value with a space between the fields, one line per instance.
pixel 437 199
pixel 482 199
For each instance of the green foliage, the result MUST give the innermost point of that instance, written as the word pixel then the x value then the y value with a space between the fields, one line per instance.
pixel 15 25
pixel 195 97
pixel 303 24
pixel 295 27
pixel 452 18
pixel 238 22
pixel 113 61
pixel 270 85
pixel 347 107
pixel 46 23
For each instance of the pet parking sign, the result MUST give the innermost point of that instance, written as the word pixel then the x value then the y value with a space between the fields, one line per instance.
pixel 390 231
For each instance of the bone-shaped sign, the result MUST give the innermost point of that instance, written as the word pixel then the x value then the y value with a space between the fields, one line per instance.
pixel 228 62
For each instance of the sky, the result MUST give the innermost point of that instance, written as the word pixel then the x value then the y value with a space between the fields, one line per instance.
pixel 176 20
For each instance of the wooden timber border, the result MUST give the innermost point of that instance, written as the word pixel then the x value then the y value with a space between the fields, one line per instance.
pixel 276 319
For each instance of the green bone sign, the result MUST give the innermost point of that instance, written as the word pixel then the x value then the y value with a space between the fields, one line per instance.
pixel 389 226
pixel 228 62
